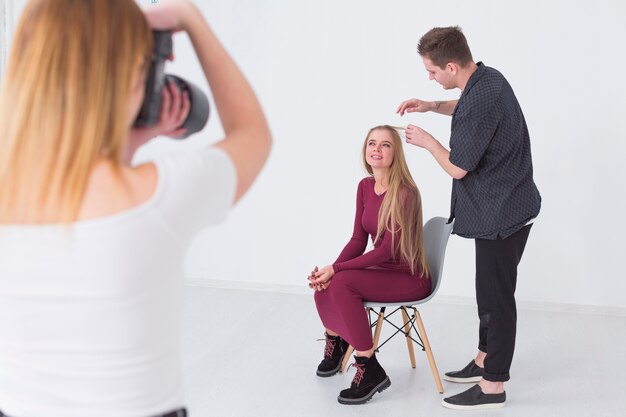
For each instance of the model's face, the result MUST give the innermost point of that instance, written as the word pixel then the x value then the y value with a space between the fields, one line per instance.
pixel 444 76
pixel 379 149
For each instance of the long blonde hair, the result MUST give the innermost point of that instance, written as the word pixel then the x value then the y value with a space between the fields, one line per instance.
pixel 401 209
pixel 64 101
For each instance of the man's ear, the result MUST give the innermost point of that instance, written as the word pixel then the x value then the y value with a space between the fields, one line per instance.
pixel 452 67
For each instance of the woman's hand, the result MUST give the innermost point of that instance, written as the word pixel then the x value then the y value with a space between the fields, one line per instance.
pixel 311 277
pixel 320 278
pixel 169 14
pixel 174 110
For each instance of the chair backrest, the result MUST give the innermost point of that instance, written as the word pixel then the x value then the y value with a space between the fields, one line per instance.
pixel 436 234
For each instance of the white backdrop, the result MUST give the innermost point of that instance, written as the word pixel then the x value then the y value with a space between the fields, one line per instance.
pixel 326 71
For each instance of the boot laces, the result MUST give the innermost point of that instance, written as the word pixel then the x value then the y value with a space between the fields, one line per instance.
pixel 330 347
pixel 360 372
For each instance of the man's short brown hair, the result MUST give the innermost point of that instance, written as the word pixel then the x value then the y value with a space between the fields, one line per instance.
pixel 444 45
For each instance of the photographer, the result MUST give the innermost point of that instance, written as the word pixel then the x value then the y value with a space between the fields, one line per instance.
pixel 92 248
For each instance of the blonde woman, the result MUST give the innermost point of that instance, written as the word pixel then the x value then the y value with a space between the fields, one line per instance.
pixel 389 210
pixel 91 248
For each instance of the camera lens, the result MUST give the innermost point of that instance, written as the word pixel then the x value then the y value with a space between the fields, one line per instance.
pixel 157 80
pixel 199 109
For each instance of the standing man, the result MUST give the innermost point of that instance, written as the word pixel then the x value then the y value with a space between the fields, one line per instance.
pixel 494 197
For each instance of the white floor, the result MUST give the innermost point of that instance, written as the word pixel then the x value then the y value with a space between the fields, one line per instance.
pixel 253 353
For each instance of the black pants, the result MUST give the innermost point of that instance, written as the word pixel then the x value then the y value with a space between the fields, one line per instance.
pixel 176 413
pixel 496 278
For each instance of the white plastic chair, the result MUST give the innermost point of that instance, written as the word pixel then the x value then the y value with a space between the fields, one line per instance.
pixel 436 234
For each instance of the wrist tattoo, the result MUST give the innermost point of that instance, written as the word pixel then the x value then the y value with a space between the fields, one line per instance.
pixel 439 103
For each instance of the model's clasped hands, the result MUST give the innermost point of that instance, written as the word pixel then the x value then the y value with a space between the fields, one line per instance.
pixel 319 279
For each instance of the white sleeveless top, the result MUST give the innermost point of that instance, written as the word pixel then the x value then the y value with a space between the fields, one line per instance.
pixel 90 313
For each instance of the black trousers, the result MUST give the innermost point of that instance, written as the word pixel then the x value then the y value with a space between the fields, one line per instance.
pixel 176 413
pixel 496 279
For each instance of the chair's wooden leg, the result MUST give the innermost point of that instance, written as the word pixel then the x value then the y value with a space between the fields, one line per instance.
pixel 346 358
pixel 429 352
pixel 379 326
pixel 409 342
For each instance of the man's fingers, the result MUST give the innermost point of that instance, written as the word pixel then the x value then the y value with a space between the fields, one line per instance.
pixel 404 107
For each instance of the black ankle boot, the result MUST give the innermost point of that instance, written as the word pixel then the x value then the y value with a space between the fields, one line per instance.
pixel 369 379
pixel 334 352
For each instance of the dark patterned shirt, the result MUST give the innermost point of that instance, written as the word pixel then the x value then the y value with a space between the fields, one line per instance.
pixel 489 139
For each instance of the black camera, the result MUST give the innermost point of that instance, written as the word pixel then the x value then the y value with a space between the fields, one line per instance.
pixel 156 81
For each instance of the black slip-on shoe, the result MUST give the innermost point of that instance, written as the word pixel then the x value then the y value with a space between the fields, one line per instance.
pixel 474 399
pixel 471 373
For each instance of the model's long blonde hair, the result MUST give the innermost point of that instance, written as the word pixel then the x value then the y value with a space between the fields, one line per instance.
pixel 401 209
pixel 64 101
